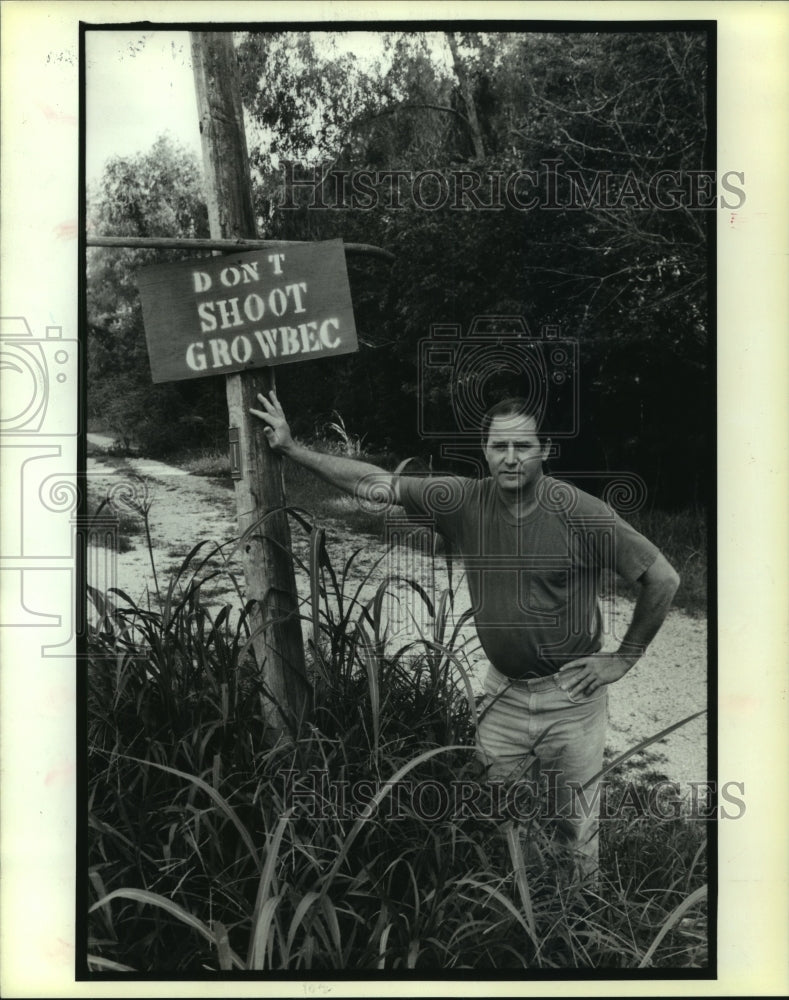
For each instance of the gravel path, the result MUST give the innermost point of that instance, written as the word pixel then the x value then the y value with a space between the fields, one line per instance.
pixel 668 683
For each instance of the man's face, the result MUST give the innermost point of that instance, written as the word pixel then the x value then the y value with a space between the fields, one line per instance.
pixel 514 453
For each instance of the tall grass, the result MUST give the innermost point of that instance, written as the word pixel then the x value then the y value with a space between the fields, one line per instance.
pixel 215 848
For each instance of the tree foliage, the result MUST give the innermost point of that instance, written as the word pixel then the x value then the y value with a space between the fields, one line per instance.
pixel 624 276
pixel 158 193
pixel 606 264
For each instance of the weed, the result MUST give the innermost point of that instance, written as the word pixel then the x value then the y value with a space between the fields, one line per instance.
pixel 349 444
pixel 212 462
pixel 213 848
pixel 682 538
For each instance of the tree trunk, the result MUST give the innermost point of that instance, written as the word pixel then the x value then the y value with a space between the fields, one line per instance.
pixel 266 550
pixel 468 97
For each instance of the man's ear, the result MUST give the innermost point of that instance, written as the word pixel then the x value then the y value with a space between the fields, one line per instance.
pixel 546 449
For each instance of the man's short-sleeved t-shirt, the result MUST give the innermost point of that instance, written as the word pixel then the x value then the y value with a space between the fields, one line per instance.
pixel 534 581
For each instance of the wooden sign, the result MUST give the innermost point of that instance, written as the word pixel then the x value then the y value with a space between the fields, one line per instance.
pixel 289 302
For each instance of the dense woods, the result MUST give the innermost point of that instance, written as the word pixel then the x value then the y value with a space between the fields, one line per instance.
pixel 561 178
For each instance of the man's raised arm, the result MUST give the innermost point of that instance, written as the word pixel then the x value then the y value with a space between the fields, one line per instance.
pixel 365 481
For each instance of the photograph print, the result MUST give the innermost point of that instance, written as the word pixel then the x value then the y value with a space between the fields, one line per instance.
pixel 399 494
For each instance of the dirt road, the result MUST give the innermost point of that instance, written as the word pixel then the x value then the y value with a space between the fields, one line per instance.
pixel 668 684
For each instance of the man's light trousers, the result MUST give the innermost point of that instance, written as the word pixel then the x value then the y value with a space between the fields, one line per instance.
pixel 525 719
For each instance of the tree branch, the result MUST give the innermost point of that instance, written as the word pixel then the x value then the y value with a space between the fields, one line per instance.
pixel 178 243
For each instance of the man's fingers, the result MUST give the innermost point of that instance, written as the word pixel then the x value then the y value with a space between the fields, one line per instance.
pixel 272 404
pixel 571 683
pixel 584 681
pixel 263 416
pixel 573 665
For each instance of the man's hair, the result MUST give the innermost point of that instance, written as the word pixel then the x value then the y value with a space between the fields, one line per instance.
pixel 513 406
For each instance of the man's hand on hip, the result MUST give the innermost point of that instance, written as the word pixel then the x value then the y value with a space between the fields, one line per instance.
pixel 588 673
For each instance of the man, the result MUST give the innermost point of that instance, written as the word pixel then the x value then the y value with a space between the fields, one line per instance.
pixel 535 552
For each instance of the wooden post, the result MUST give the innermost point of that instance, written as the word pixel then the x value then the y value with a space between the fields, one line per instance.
pixel 268 564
